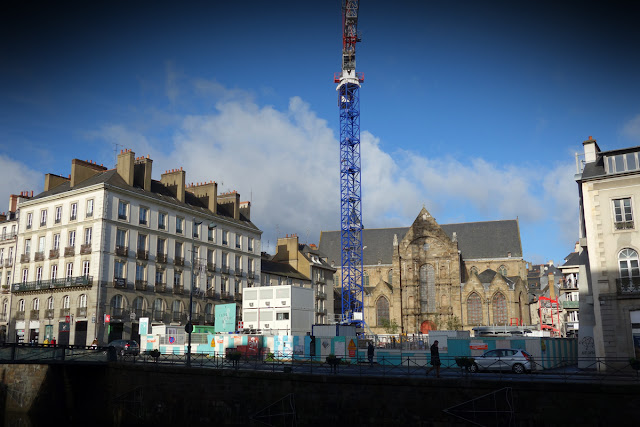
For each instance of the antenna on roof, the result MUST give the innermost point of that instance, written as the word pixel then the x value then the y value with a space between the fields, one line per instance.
pixel 116 150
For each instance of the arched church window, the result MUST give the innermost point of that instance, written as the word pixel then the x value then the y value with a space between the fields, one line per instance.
pixel 427 289
pixel 382 310
pixel 503 270
pixel 499 304
pixel 474 309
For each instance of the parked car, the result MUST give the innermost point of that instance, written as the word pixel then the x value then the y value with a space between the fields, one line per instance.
pixel 503 359
pixel 125 347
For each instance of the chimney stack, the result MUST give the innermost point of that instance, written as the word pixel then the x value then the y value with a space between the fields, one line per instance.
pixel 207 192
pixel 142 173
pixel 83 170
pixel 125 165
pixel 232 198
pixel 174 181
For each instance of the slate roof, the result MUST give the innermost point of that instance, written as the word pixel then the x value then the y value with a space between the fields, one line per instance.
pixel 572 259
pixel 596 169
pixel 476 240
pixel 280 269
pixel 158 192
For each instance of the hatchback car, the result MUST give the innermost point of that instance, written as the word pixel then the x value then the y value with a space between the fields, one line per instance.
pixel 503 359
pixel 123 347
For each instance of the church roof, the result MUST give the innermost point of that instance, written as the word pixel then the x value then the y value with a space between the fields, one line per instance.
pixel 476 240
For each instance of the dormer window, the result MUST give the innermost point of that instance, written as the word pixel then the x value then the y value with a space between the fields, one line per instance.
pixel 622 162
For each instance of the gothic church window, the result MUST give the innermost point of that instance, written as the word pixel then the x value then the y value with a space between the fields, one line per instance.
pixel 499 304
pixel 427 289
pixel 382 310
pixel 474 309
pixel 503 270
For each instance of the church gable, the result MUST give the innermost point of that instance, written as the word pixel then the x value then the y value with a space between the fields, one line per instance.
pixel 425 235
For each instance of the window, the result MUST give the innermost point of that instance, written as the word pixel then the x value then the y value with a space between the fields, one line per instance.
pixel 382 311
pixel 502 270
pixel 4 233
pixel 365 278
pixel 121 238
pixel 390 276
pixel 69 270
pixel 225 259
pixel 142 242
pixel 250 267
pixel 54 272
pixel 629 269
pixel 238 241
pixel 87 236
pixel 474 309
pixel 74 212
pixel 225 238
pixel 118 272
pixel 39 274
pixel 144 213
pixel 72 238
pixel 161 246
pixel 250 245
pixel 224 284
pixel 27 246
pixel 140 272
pixel 82 301
pixel 65 302
pixel 623 215
pixel 499 305
pixel 29 220
pixel 238 263
pixel 25 275
pixel 179 223
pixel 210 256
pixel 177 279
pixel 58 217
pixel 473 270
pixel 159 275
pixel 43 218
pixel 162 220
pixel 35 305
pixel 282 316
pixel 427 288
pixel 196 230
pixel 85 268
pixel 8 282
pixel 210 234
pixel 89 207
pixel 622 163
pixel 41 244
pixel 50 303
pixel 178 249
pixel 123 208
pixel 21 305
pixel 56 242
pixel 1 255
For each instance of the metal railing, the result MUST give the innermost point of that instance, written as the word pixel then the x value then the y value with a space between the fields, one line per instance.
pixel 66 282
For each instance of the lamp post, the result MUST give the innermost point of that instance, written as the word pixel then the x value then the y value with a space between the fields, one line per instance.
pixel 189 327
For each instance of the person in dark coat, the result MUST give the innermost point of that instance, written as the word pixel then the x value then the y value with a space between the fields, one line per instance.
pixel 435 359
pixel 370 351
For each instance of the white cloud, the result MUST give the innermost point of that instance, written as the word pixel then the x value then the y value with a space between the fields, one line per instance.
pixel 16 177
pixel 631 129
pixel 287 163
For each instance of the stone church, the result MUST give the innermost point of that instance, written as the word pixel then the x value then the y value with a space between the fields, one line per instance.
pixel 439 277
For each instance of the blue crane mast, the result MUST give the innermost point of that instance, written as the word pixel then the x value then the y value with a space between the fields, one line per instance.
pixel 350 189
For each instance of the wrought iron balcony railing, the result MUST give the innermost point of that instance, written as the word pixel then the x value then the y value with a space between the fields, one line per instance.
pixel 122 250
pixel 85 249
pixel 142 254
pixel 141 285
pixel 160 287
pixel 38 256
pixel 54 253
pixel 178 260
pixel 67 282
pixel 120 283
pixel 81 312
pixel 162 258
pixel 628 286
pixel 70 251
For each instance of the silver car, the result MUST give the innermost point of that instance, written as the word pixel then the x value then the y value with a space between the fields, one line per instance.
pixel 503 359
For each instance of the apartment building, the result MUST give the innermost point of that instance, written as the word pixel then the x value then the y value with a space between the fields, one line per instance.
pixel 100 249
pixel 609 274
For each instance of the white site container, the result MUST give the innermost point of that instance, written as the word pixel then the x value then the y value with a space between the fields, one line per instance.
pixel 278 310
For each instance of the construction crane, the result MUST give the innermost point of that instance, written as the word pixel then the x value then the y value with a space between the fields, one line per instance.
pixel 350 192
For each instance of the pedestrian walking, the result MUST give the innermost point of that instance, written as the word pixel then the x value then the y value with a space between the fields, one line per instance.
pixel 370 351
pixel 435 359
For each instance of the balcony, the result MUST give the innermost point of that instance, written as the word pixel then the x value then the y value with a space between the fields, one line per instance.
pixel 251 274
pixel 140 312
pixel 38 256
pixel 178 289
pixel 157 315
pixel 161 258
pixel 142 254
pixel 226 296
pixel 209 319
pixel 141 285
pixel 211 266
pixel 64 312
pixel 54 253
pixel 238 272
pixel 211 293
pixel 321 295
pixel 628 286
pixel 69 251
pixel 178 260
pixel 568 305
pixel 122 250
pixel 85 249
pixel 8 262
pixel 177 316
pixel 624 225
pixel 160 287
pixel 34 315
pixel 120 283
pixel 8 236
pixel 81 312
pixel 24 258
pixel 67 282
pixel 49 313
pixel 19 315
pixel 224 269
pixel 321 311
pixel 237 297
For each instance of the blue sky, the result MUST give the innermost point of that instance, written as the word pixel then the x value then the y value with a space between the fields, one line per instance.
pixel 472 109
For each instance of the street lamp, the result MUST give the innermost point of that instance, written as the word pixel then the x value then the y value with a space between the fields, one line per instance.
pixel 189 327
